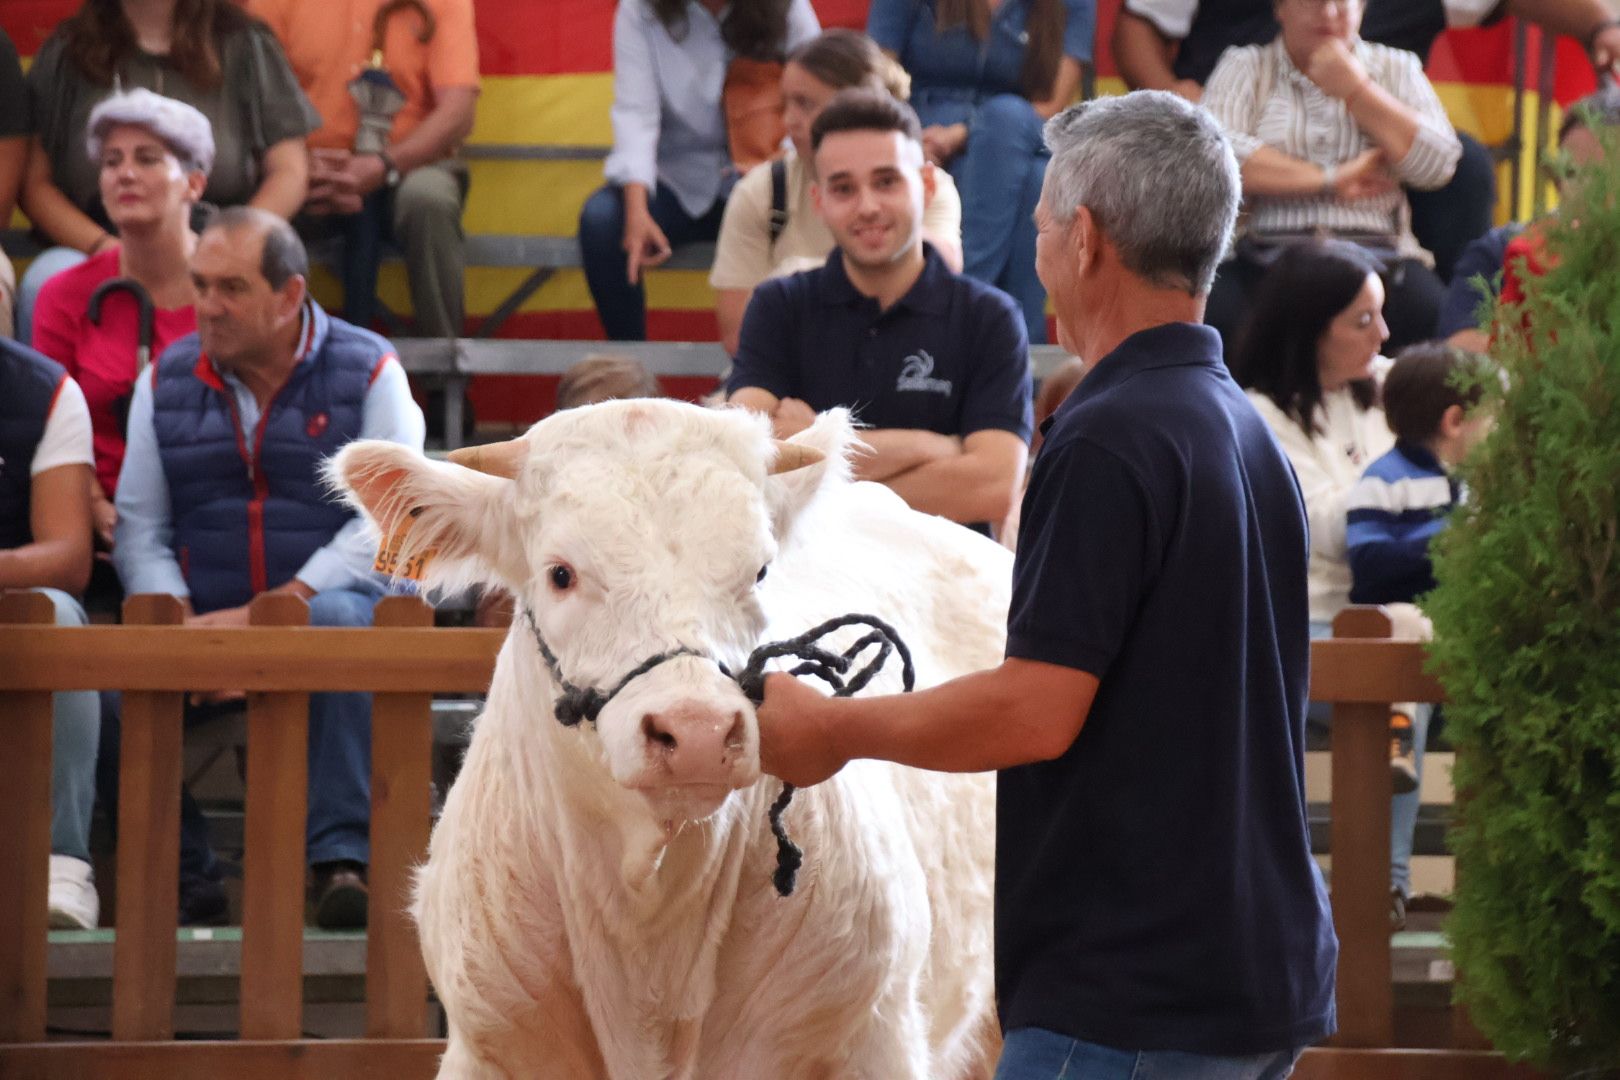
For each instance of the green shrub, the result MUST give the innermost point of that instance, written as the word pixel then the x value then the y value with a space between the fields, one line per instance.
pixel 1527 645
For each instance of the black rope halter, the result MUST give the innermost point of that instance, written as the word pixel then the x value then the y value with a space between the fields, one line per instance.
pixel 839 670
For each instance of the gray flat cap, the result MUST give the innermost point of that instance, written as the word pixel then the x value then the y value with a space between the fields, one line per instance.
pixel 184 130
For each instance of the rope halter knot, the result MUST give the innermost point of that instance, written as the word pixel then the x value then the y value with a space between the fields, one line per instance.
pixel 843 671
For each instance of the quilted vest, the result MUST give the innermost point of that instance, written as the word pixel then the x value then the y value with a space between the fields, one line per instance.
pixel 28 386
pixel 249 507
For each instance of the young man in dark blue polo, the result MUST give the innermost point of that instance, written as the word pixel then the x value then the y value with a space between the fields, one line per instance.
pixel 935 363
pixel 1158 912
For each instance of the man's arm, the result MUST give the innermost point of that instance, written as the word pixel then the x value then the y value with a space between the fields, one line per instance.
pixel 729 307
pixel 1037 708
pixel 979 484
pixel 58 557
pixel 59 516
pixel 143 552
pixel 893 451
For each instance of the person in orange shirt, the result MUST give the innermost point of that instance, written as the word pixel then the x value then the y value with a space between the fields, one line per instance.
pixel 418 177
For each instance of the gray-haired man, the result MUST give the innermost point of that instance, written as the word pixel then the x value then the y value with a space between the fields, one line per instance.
pixel 1157 909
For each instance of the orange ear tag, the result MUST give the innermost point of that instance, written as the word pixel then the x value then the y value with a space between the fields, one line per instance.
pixel 388 559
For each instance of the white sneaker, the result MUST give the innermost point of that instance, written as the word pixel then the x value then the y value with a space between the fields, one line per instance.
pixel 74 904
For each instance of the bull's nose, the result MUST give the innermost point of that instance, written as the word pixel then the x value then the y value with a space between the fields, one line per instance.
pixel 693 742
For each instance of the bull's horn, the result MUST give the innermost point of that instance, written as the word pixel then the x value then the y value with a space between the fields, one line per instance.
pixel 792 455
pixel 496 459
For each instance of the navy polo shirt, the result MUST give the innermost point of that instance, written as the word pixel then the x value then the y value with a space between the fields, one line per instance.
pixel 1154 884
pixel 950 356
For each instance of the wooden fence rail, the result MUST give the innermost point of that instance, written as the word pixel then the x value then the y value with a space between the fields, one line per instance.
pixel 279 661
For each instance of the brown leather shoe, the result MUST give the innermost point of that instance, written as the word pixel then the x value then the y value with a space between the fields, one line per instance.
pixel 340 896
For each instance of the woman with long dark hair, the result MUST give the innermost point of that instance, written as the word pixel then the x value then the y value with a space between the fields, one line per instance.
pixel 985 77
pixel 207 53
pixel 1309 357
pixel 670 170
pixel 756 242
pixel 1306 355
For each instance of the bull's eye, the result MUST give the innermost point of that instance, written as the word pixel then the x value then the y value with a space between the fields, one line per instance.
pixel 759 577
pixel 561 577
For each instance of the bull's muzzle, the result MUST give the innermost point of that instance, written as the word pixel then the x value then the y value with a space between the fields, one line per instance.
pixel 693 743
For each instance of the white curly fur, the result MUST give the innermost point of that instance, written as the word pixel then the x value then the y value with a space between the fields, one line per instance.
pixel 576 928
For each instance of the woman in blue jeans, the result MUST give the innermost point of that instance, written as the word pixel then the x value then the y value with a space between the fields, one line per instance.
pixel 670 170
pixel 985 76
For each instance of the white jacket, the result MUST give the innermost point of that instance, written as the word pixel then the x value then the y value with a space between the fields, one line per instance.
pixel 1328 465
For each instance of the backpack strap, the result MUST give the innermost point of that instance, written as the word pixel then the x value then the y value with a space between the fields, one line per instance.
pixel 779 215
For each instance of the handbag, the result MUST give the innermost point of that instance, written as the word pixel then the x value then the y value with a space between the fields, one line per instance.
pixel 752 100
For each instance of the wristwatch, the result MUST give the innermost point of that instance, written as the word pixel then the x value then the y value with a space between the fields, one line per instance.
pixel 391 175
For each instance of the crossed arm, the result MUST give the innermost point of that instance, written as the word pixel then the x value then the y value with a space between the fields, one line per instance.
pixel 970 478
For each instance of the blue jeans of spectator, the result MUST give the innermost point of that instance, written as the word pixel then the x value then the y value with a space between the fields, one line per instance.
pixel 74 738
pixel 621 306
pixel 1449 219
pixel 46 264
pixel 1038 1054
pixel 1000 172
pixel 1403 809
pixel 339 794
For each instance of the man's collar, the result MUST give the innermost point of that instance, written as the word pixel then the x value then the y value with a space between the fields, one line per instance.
pixel 926 295
pixel 312 327
pixel 1172 344
pixel 1420 455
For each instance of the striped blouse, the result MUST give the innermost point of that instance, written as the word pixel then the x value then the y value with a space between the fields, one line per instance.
pixel 1262 99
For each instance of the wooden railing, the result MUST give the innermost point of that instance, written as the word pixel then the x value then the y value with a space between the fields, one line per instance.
pixel 279 661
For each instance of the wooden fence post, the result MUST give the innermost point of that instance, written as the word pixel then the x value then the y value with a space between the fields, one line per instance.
pixel 401 774
pixel 25 840
pixel 1360 841
pixel 149 770
pixel 273 847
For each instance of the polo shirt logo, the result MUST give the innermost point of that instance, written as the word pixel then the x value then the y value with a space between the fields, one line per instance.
pixel 917 374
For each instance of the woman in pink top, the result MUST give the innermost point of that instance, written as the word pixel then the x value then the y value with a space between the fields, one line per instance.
pixel 155 154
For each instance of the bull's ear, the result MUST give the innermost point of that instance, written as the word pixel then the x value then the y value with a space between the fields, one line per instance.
pixel 831 436
pixel 443 524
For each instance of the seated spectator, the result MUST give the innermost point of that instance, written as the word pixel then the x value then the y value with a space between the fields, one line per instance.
pixel 1324 125
pixel 206 53
pixel 605 378
pixel 1174 45
pixel 411 190
pixel 1480 271
pixel 1307 357
pixel 1400 503
pixel 155 154
pixel 770 228
pixel 984 78
pixel 1404 496
pixel 45 547
pixel 270 371
pixel 670 171
pixel 15 127
pixel 935 363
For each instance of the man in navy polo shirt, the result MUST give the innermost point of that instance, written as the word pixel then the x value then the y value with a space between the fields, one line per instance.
pixel 1158 912
pixel 935 363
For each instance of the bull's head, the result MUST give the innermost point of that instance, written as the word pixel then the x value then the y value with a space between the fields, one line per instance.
pixel 629 530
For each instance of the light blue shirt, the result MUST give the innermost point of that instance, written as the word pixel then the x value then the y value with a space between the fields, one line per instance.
pixel 668 123
pixel 144 549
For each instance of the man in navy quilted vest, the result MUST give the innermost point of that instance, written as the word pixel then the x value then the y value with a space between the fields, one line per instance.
pixel 45 463
pixel 220 500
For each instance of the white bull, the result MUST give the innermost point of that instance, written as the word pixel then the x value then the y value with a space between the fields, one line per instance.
pixel 598 900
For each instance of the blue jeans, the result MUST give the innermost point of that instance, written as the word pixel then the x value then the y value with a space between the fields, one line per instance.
pixel 339 808
pixel 1403 809
pixel 621 306
pixel 1038 1054
pixel 999 173
pixel 43 267
pixel 74 737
